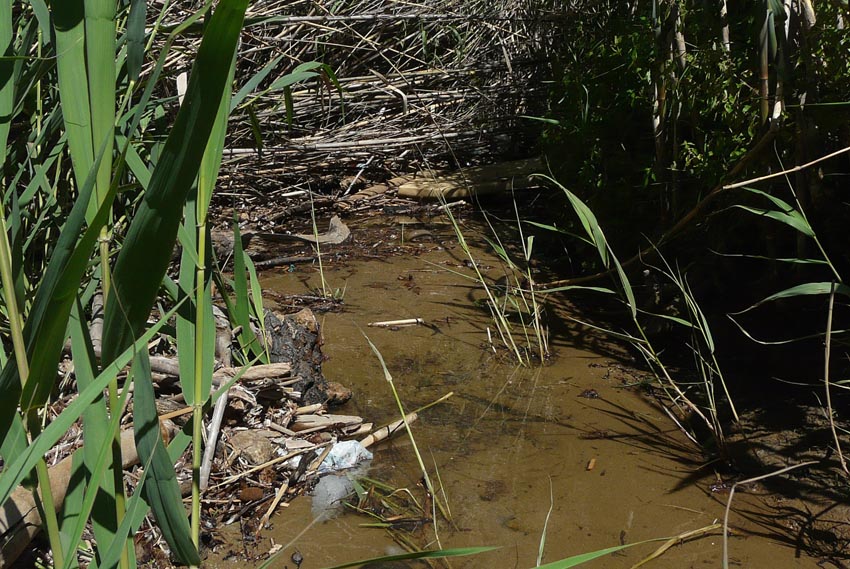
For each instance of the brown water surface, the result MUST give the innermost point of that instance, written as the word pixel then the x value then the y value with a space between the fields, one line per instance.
pixel 513 442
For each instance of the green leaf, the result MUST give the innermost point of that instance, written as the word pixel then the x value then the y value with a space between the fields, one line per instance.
pixel 597 237
pixel 253 83
pixel 583 558
pixel 136 38
pixel 98 435
pixel 807 289
pixel 44 330
pixel 161 489
pixel 70 31
pixel 792 219
pixel 257 309
pixel 99 70
pixel 7 83
pixel 241 315
pixel 146 252
pixel 137 508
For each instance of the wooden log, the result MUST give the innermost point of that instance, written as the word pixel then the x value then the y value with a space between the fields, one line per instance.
pixel 20 520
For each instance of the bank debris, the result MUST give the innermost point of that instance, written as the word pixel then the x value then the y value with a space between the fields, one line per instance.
pixel 404 86
pixel 272 432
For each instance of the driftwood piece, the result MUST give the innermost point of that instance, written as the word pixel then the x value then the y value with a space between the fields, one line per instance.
pixel 477 180
pixel 223 341
pixel 392 323
pixel 309 421
pixel 20 520
pixel 386 432
pixel 171 367
pixel 262 246
pixel 280 261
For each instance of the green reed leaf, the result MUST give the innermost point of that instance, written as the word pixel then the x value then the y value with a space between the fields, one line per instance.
pixel 136 38
pixel 807 289
pixel 253 83
pixel 241 312
pixel 7 83
pixel 161 489
pixel 146 252
pixel 97 443
pixel 440 554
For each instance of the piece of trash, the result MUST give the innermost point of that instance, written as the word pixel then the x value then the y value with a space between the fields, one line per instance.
pixel 329 494
pixel 591 464
pixel 275 548
pixel 392 323
pixel 344 454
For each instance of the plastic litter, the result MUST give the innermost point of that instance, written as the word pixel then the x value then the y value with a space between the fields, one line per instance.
pixel 329 494
pixel 343 455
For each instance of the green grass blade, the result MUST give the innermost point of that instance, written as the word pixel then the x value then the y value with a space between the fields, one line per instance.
pixel 96 440
pixel 583 558
pixel 72 508
pixel 594 232
pixel 241 314
pixel 136 38
pixel 48 338
pixel 7 83
pixel 42 15
pixel 258 309
pixel 253 82
pixel 785 213
pixel 44 330
pixel 187 315
pixel 588 221
pixel 807 289
pixel 100 73
pixel 137 508
pixel 161 489
pixel 70 31
pixel 150 239
pixel 792 219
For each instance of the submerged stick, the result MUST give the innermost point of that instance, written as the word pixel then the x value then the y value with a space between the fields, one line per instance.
pixel 277 498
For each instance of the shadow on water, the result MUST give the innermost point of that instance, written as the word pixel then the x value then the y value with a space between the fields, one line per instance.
pixel 515 442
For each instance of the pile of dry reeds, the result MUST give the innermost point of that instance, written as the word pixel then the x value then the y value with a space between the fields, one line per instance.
pixel 429 84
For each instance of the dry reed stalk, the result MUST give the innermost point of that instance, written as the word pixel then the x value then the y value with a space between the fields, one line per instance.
pixel 422 85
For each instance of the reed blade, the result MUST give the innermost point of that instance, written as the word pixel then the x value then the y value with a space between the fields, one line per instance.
pixel 153 231
pixel 161 489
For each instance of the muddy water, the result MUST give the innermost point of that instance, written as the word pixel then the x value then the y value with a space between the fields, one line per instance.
pixel 513 442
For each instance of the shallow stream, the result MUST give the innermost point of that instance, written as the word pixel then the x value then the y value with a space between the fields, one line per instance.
pixel 574 436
